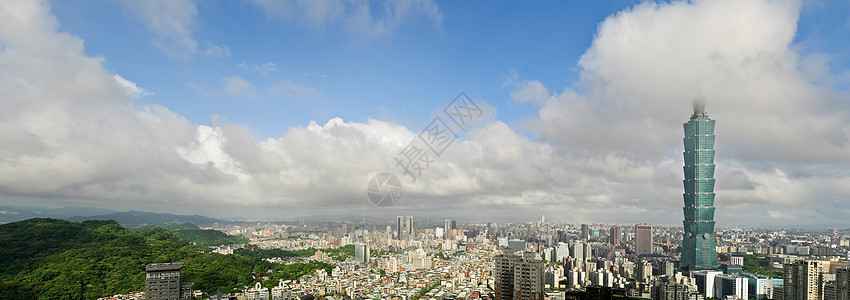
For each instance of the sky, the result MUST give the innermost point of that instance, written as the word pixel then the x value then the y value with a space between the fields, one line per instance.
pixel 269 109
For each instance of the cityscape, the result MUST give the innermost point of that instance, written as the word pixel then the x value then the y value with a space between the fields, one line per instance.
pixel 411 150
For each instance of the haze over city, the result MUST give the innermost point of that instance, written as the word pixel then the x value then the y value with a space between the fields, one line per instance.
pixel 274 110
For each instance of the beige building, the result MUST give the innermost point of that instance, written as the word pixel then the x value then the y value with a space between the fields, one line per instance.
pixel 802 280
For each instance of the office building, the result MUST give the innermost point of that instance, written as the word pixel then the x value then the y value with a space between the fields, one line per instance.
pixel 731 285
pixel 163 282
pixel 614 235
pixel 802 280
pixel 577 251
pixel 842 284
pixel 705 281
pixel 405 227
pixel 518 278
pixel 699 251
pixel 585 232
pixel 361 253
pixel 643 239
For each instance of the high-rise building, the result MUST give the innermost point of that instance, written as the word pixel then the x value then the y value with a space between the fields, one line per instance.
pixel 448 227
pixel 643 239
pixel 577 251
pixel 802 280
pixel 405 227
pixel 614 235
pixel 585 232
pixel 698 241
pixel 842 284
pixel 361 253
pixel 163 281
pixel 518 278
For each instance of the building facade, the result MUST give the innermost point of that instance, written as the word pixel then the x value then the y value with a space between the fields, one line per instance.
pixel 643 239
pixel 842 284
pixel 163 282
pixel 802 280
pixel 699 251
pixel 518 278
pixel 405 227
pixel 614 235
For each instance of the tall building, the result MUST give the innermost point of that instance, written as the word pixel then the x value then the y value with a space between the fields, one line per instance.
pixel 361 253
pixel 842 284
pixel 643 239
pixel 405 227
pixel 585 232
pixel 698 241
pixel 163 281
pixel 518 278
pixel 614 235
pixel 577 251
pixel 802 280
pixel 448 227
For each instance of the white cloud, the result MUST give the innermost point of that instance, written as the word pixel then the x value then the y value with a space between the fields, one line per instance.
pixel 783 136
pixel 172 23
pixel 216 51
pixel 130 87
pixel 361 18
pixel 264 69
pixel 292 90
pixel 71 133
pixel 237 86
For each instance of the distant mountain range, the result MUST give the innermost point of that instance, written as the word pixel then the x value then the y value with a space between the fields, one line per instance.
pixel 78 214
pixel 140 218
pixel 18 213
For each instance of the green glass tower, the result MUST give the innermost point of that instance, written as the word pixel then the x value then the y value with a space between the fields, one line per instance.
pixel 698 243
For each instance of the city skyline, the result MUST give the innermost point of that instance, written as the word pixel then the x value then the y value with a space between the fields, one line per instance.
pixel 245 108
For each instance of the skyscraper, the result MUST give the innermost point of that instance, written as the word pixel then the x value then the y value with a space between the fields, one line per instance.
pixel 405 227
pixel 614 235
pixel 585 232
pixel 643 239
pixel 698 241
pixel 803 279
pixel 361 253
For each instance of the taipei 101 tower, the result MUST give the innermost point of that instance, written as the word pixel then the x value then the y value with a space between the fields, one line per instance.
pixel 698 243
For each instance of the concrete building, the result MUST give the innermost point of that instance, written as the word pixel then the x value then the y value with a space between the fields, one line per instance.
pixel 614 235
pixel 731 285
pixel 643 239
pixel 404 225
pixel 842 284
pixel 585 232
pixel 802 280
pixel 761 288
pixel 361 253
pixel 163 282
pixel 518 278
pixel 705 281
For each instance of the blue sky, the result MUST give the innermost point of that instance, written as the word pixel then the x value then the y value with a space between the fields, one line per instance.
pixel 230 107
pixel 417 67
pixel 402 74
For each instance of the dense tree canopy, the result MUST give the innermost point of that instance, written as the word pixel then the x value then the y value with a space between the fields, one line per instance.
pixel 56 259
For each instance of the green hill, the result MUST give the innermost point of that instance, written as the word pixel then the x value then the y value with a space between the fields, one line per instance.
pixel 56 259
pixel 195 235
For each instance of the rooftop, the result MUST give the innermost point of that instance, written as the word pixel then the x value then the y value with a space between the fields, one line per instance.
pixel 164 266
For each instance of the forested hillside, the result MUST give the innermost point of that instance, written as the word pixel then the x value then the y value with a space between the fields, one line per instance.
pixel 56 259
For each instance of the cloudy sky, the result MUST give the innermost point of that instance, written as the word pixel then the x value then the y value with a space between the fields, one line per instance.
pixel 274 109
